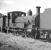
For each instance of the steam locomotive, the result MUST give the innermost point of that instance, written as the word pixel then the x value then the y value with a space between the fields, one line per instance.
pixel 11 23
pixel 17 22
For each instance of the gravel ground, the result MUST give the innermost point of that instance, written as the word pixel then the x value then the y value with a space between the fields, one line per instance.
pixel 11 42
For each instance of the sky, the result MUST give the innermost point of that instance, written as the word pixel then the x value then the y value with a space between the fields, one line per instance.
pixel 23 5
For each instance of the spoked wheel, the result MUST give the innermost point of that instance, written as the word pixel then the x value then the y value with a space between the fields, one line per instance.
pixel 49 37
pixel 37 35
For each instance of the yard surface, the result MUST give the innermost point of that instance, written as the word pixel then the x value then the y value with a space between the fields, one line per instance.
pixel 11 42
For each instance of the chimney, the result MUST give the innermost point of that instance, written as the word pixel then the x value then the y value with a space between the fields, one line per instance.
pixel 38 10
pixel 37 18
